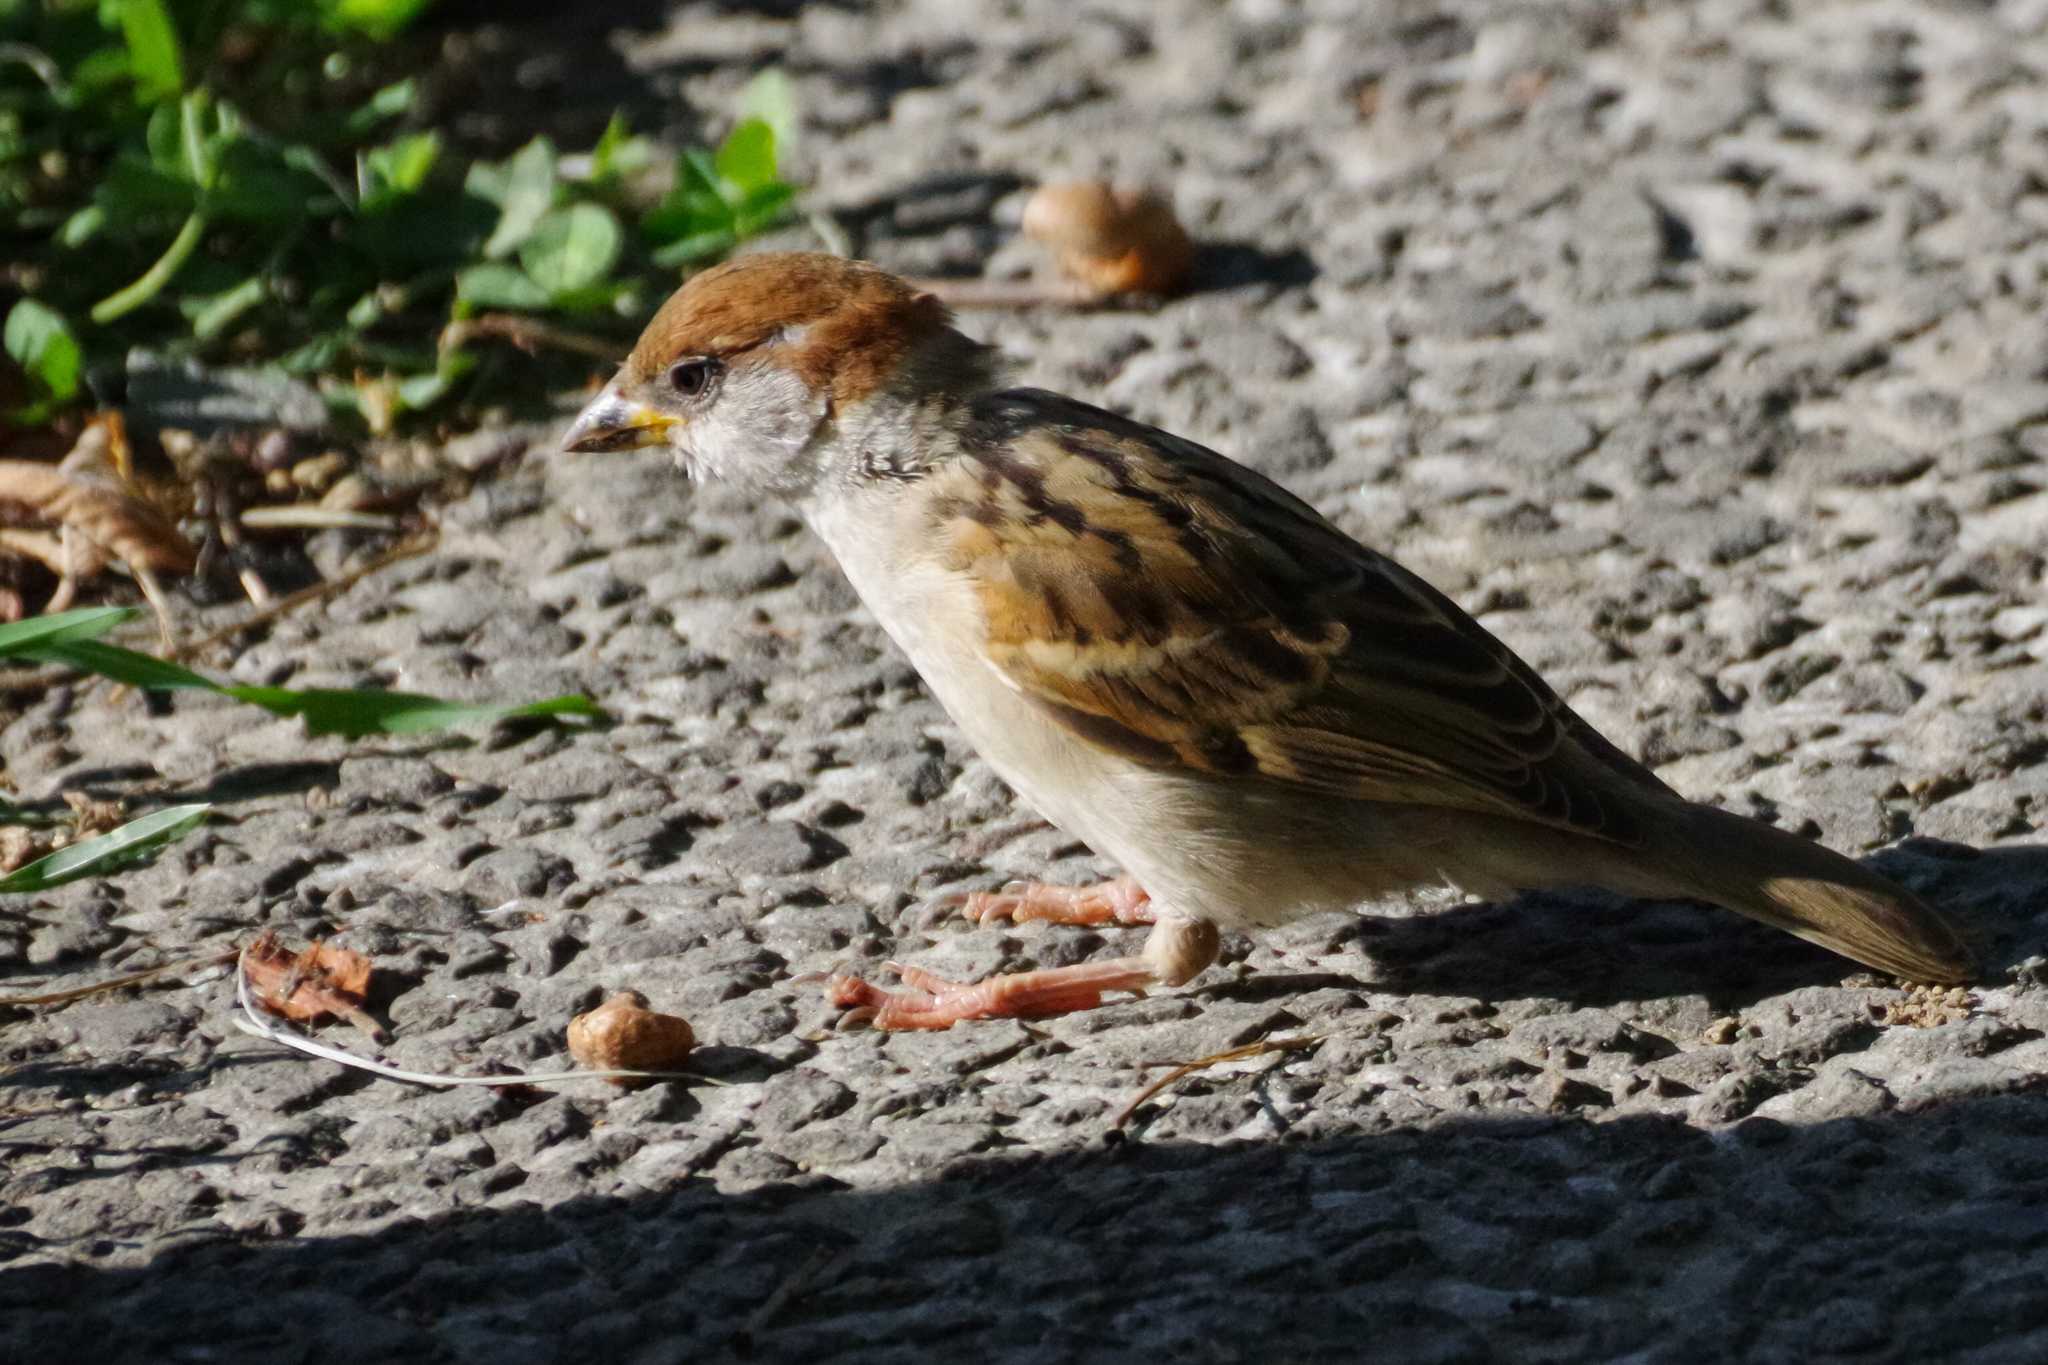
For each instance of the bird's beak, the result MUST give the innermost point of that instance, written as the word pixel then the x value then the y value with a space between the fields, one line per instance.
pixel 615 423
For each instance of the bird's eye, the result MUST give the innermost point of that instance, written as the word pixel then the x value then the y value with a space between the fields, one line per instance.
pixel 691 378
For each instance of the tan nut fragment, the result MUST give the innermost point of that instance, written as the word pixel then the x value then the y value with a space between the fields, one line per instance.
pixel 622 1034
pixel 1115 240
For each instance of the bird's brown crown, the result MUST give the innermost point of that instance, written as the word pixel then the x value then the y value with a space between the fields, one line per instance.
pixel 844 326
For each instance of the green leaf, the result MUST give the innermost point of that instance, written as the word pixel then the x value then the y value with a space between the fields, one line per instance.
pixel 696 247
pixel 771 98
pixel 687 213
pixel 161 136
pixel 572 248
pixel 382 20
pixel 367 311
pixel 619 153
pixel 353 714
pixel 41 342
pixel 323 352
pixel 593 298
pixel 488 181
pixel 763 209
pixel 210 314
pixel 388 173
pixel 303 159
pixel 199 150
pixel 422 391
pixel 122 665
pixel 152 49
pixel 529 192
pixel 269 185
pixel 495 285
pixel 135 842
pixel 326 711
pixel 97 73
pixel 82 226
pixel 19 637
pixel 746 159
pixel 697 169
pixel 387 104
pixel 135 191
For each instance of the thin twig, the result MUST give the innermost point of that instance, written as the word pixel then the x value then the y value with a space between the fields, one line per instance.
pixel 295 516
pixel 254 1023
pixel 1237 1054
pixel 977 293
pixel 527 335
pixel 417 545
pixel 253 586
pixel 65 997
pixel 36 60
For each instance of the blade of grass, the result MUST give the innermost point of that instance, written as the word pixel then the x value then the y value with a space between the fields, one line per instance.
pixel 353 714
pixel 21 638
pixel 122 665
pixel 326 711
pixel 116 849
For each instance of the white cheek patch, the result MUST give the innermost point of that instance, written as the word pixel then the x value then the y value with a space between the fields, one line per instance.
pixel 757 429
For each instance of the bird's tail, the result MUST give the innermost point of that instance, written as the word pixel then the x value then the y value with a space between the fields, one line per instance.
pixel 1782 879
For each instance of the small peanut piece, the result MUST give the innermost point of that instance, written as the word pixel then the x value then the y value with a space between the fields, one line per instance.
pixel 622 1034
pixel 1112 239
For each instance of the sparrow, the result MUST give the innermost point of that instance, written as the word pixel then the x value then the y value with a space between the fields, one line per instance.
pixel 1174 659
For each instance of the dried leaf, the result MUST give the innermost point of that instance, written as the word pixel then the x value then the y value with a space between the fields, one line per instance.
pixel 132 530
pixel 1113 240
pixel 83 560
pixel 305 986
pixel 623 1034
pixel 18 846
pixel 91 816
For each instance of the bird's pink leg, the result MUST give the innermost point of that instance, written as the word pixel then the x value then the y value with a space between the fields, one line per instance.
pixel 1121 901
pixel 1176 952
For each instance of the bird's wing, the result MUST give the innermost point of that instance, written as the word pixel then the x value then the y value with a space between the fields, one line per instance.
pixel 1164 602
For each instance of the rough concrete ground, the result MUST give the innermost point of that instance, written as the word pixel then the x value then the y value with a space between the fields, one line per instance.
pixel 1699 349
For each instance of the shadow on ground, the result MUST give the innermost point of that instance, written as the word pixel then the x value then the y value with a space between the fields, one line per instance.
pixel 1469 1240
pixel 1597 949
pixel 1893 1234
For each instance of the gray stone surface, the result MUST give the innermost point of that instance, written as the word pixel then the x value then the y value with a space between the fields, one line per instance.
pixel 1698 348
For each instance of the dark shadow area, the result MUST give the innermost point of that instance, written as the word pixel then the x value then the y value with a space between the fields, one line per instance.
pixel 1893 1237
pixel 926 206
pixel 253 780
pixel 1593 948
pixel 138 785
pixel 1233 265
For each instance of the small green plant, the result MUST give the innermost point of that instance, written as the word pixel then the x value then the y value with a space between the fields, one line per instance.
pixel 161 187
pixel 70 638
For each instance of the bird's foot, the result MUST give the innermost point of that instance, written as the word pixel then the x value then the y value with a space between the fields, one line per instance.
pixel 933 1002
pixel 1121 901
